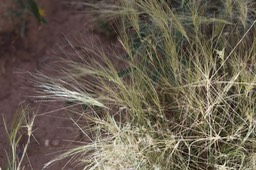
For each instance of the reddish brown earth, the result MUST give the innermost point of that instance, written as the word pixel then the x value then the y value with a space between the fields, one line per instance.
pixel 35 52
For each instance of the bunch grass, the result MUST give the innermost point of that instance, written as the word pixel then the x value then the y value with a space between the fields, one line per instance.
pixel 181 97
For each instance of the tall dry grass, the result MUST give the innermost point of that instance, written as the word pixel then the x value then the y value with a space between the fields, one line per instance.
pixel 181 97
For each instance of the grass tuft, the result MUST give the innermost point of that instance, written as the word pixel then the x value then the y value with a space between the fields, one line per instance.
pixel 181 97
pixel 22 128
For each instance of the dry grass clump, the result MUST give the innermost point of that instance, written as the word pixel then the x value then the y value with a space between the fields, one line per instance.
pixel 21 129
pixel 183 96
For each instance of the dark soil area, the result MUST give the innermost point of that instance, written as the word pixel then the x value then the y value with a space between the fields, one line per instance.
pixel 32 53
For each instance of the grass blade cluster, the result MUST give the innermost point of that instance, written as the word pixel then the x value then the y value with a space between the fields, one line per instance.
pixel 22 127
pixel 182 97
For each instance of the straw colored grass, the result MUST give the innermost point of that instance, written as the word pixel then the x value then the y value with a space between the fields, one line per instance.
pixel 182 95
pixel 22 127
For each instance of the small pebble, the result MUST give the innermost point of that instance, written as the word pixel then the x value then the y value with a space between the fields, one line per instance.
pixel 55 142
pixel 46 142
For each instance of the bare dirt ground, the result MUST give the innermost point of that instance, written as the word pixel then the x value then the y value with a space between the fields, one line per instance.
pixel 18 56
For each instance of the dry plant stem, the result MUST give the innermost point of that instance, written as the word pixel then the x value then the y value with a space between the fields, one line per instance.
pixel 235 47
pixel 22 121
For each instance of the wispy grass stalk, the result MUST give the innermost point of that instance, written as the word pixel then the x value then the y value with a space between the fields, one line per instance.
pixel 22 127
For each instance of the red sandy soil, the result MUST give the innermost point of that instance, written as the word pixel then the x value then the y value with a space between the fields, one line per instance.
pixel 34 52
